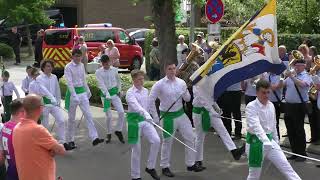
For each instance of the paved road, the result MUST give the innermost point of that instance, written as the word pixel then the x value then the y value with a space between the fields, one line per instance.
pixel 106 162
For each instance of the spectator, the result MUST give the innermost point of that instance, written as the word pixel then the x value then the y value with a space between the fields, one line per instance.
pixel 304 49
pixel 6 138
pixel 16 40
pixel 296 96
pixel 249 89
pixel 26 81
pixel 284 55
pixel 7 90
pixel 38 48
pixel 34 146
pixel 204 47
pixel 84 49
pixel 113 53
pixel 181 47
pixel 154 61
pixel 307 42
pixel 313 52
pixel 102 49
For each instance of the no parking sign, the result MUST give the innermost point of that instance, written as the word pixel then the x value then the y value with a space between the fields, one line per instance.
pixel 214 10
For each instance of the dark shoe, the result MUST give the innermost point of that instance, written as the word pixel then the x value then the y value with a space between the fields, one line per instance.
pixel 237 137
pixel 120 136
pixel 72 145
pixel 293 157
pixel 195 168
pixel 285 135
pixel 237 153
pixel 97 141
pixel 16 64
pixel 199 163
pixel 167 172
pixel 67 147
pixel 153 173
pixel 300 159
pixel 108 138
pixel 318 166
pixel 137 179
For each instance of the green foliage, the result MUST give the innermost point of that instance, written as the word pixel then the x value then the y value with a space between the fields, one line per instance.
pixel 26 11
pixel 292 41
pixel 298 16
pixel 126 83
pixel 6 51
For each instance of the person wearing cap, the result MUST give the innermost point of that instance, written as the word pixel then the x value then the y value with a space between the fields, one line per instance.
pixel 204 46
pixel 78 94
pixel 297 83
pixel 181 47
pixel 110 87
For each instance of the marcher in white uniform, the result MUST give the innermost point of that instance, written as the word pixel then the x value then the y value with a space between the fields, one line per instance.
pixel 78 94
pixel 206 114
pixel 26 81
pixel 169 90
pixel 140 124
pixel 50 82
pixel 110 87
pixel 262 137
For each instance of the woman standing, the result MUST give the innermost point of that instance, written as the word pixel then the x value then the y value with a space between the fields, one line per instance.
pixel 84 49
pixel 113 53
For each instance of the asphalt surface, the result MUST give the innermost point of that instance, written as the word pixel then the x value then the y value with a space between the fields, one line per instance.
pixel 108 162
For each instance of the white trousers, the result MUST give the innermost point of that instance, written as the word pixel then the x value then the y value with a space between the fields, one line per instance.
pixel 57 113
pixel 85 108
pixel 116 102
pixel 149 132
pixel 277 157
pixel 182 124
pixel 217 124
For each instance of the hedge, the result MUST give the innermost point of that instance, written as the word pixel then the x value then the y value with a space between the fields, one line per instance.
pixel 126 83
pixel 6 51
pixel 292 41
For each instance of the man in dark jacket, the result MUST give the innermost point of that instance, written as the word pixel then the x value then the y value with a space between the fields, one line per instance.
pixel 15 42
pixel 38 48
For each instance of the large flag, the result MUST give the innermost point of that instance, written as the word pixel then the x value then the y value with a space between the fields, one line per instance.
pixel 250 51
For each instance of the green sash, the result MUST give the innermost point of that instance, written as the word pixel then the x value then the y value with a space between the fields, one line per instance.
pixel 205 117
pixel 256 150
pixel 168 118
pixel 106 102
pixel 78 90
pixel 133 120
pixel 46 100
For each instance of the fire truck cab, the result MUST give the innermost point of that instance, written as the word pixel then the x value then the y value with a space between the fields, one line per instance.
pixel 58 44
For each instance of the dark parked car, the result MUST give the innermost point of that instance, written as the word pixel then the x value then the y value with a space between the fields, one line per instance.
pixel 139 35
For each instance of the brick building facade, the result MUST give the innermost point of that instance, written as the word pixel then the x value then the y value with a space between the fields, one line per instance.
pixel 121 13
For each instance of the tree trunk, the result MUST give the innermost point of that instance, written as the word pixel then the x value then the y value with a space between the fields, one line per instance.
pixel 30 48
pixel 164 20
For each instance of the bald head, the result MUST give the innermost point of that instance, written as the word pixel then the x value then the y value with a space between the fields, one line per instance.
pixel 32 105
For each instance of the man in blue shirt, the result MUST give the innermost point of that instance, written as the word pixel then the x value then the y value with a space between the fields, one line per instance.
pixel 297 82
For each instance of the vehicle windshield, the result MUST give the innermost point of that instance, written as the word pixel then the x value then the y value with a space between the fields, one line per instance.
pixel 57 37
pixel 96 35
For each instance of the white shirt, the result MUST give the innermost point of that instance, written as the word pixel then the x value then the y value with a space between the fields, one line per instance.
pixel 7 89
pixel 37 88
pixel 168 91
pixel 25 84
pixel 138 102
pixel 75 75
pixel 51 84
pixel 250 87
pixel 107 79
pixel 199 100
pixel 261 120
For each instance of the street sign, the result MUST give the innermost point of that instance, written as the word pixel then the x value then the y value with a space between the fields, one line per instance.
pixel 214 10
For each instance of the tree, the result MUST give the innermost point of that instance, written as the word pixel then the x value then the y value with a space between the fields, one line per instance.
pixel 164 13
pixel 26 12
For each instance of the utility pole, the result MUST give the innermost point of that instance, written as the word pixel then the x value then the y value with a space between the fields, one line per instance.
pixel 192 21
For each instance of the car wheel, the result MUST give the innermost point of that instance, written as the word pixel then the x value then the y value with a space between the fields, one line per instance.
pixel 135 64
